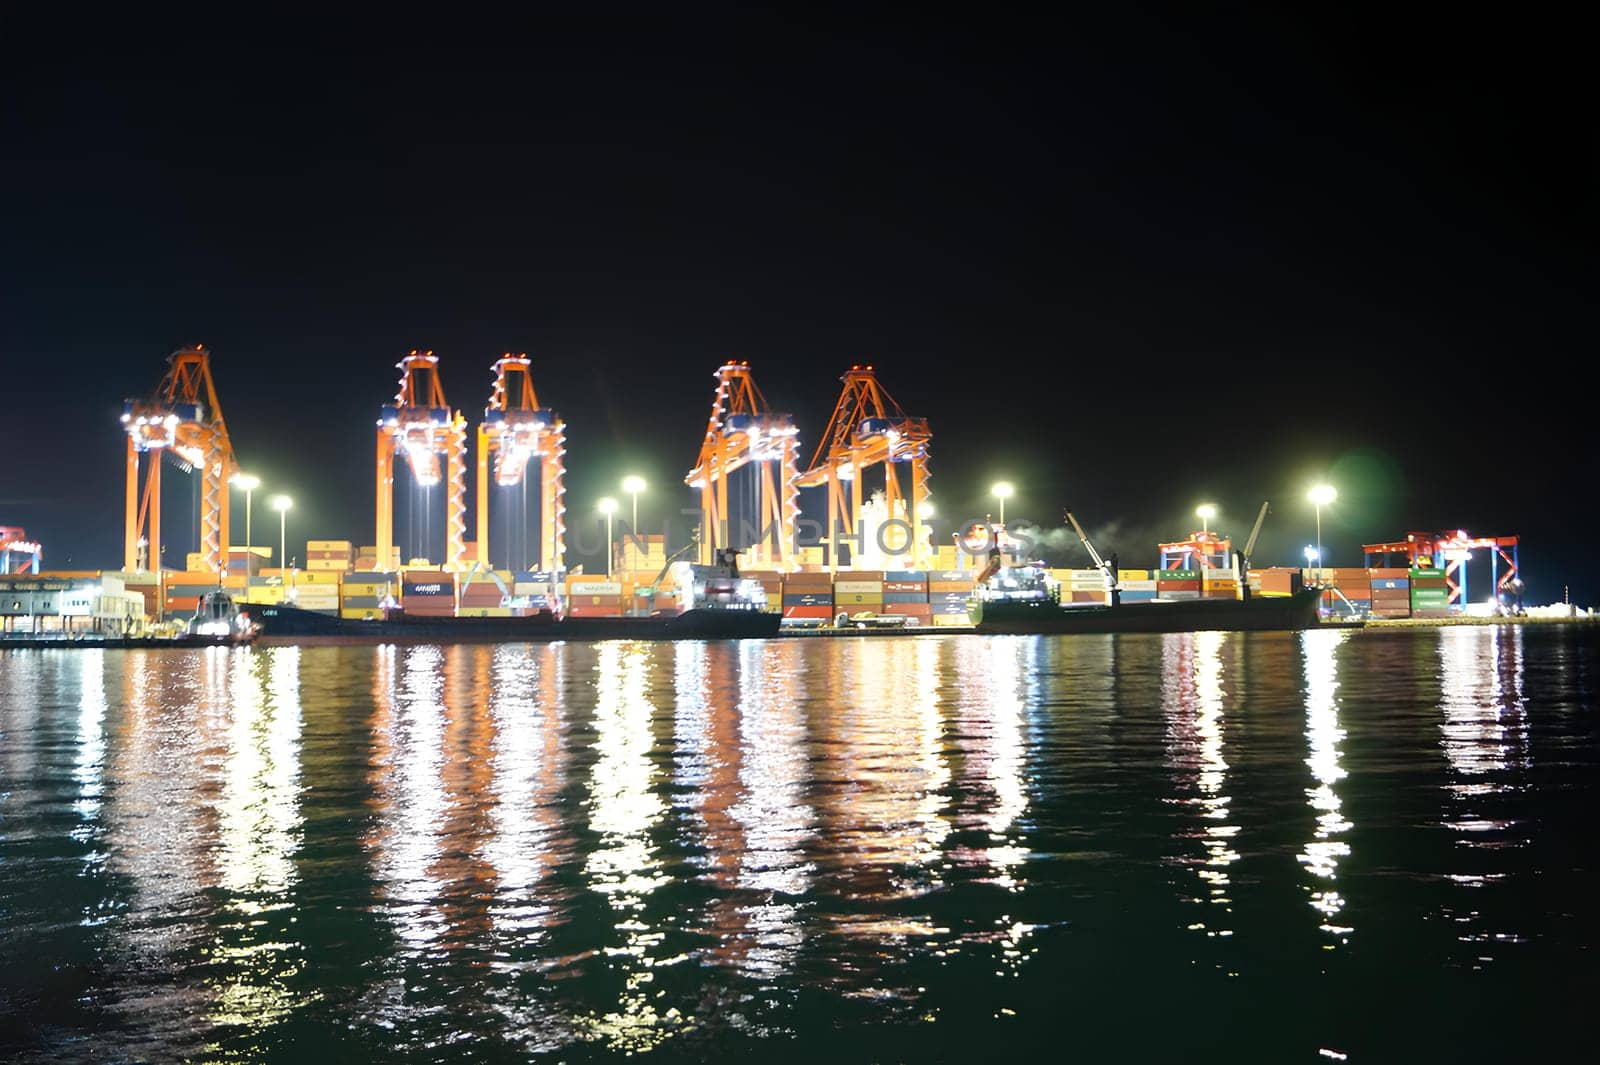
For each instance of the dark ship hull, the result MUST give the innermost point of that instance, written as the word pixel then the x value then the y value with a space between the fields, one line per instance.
pixel 1256 614
pixel 289 624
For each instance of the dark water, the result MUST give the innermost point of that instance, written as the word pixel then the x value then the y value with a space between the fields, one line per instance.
pixel 1266 847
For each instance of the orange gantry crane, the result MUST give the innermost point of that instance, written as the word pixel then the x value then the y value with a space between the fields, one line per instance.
pixel 743 431
pixel 515 431
pixel 869 428
pixel 185 419
pixel 421 426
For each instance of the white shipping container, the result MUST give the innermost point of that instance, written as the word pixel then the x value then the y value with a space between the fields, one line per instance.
pixel 577 587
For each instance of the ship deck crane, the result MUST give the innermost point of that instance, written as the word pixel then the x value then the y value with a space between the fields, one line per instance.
pixel 515 431
pixel 183 418
pixel 744 431
pixel 869 428
pixel 1241 561
pixel 420 425
pixel 1109 568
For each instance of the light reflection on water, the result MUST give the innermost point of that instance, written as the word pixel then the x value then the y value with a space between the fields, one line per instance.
pixel 705 848
pixel 1328 846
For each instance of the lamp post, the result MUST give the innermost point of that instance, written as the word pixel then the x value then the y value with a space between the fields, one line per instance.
pixel 1320 495
pixel 633 485
pixel 282 504
pixel 249 483
pixel 1205 512
pixel 1003 490
pixel 608 507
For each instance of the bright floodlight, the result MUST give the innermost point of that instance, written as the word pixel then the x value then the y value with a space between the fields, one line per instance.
pixel 247 482
pixel 925 511
pixel 633 485
pixel 280 503
pixel 1322 494
pixel 1003 490
pixel 608 505
pixel 1311 553
pixel 1205 511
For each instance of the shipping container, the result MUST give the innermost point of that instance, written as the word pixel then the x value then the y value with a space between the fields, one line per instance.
pixel 905 597
pixel 1179 593
pixel 952 620
pixel 908 610
pixel 807 598
pixel 360 614
pixel 947 587
pixel 1178 575
pixel 857 598
pixel 1164 586
pixel 854 586
pixel 808 613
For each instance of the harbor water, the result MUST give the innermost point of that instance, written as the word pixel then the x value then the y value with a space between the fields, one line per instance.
pixel 1363 846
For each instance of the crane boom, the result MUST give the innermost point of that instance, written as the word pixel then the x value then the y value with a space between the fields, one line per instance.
pixel 1250 544
pixel 1094 556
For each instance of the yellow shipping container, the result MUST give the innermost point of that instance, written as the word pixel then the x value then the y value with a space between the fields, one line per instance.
pixel 264 594
pixel 1134 575
pixel 853 587
pixel 328 545
pixel 484 612
pixel 856 598
pixel 361 614
pixel 305 577
pixel 321 565
pixel 947 620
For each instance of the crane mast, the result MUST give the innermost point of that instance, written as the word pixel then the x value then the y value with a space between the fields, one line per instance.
pixel 744 431
pixel 420 426
pixel 869 428
pixel 515 432
pixel 185 419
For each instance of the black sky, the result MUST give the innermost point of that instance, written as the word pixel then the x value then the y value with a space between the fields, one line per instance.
pixel 1128 264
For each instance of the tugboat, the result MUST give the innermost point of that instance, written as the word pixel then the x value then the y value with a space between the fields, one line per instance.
pixel 1018 600
pixel 217 620
pixel 716 604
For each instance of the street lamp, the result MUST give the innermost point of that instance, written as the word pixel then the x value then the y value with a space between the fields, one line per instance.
pixel 249 483
pixel 633 485
pixel 1311 556
pixel 608 507
pixel 1003 490
pixel 282 504
pixel 1205 512
pixel 1320 495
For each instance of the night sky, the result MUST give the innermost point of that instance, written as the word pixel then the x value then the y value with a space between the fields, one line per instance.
pixel 1130 266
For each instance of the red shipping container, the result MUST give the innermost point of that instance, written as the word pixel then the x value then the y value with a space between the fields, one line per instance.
pixel 908 610
pixel 1177 586
pixel 608 610
pixel 808 613
pixel 1389 573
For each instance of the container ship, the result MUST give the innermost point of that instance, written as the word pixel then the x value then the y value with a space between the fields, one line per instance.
pixel 1025 600
pixel 713 603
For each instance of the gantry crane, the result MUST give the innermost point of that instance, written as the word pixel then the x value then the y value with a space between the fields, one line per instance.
pixel 516 430
pixel 1449 552
pixel 742 431
pixel 184 418
pixel 420 425
pixel 868 428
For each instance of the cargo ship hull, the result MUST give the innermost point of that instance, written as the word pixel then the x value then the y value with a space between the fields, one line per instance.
pixel 288 624
pixel 1257 614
